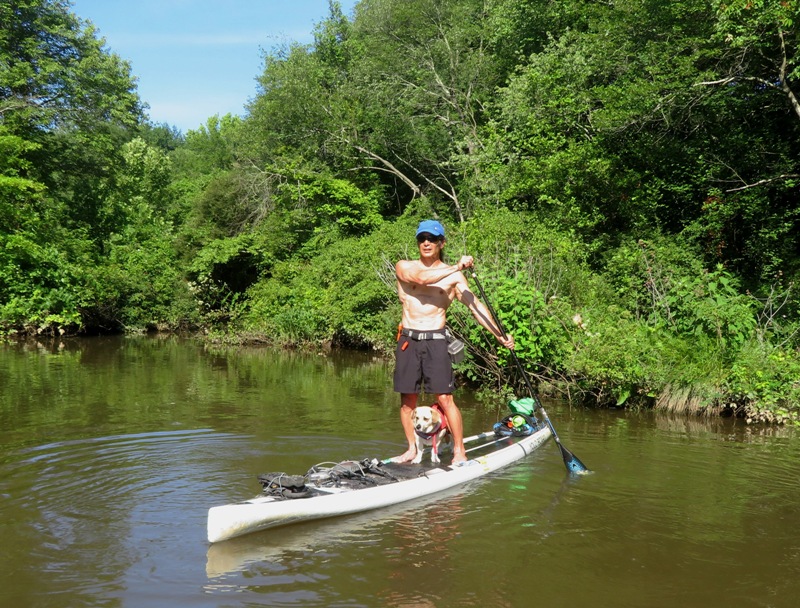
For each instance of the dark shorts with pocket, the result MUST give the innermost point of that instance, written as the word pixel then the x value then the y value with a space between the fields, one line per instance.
pixel 423 365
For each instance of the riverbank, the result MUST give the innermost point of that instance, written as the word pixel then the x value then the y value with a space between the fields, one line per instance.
pixel 757 394
pixel 601 363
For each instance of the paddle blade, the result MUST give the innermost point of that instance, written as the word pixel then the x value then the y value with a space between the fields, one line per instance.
pixel 573 463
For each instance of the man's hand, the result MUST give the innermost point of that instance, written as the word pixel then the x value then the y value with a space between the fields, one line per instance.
pixel 465 262
pixel 508 341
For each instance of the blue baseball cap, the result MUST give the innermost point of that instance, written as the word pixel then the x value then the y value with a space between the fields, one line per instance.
pixel 431 227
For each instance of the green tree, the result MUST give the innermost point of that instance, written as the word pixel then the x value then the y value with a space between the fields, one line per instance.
pixel 423 78
pixel 751 214
pixel 17 191
pixel 67 106
pixel 211 147
pixel 63 92
pixel 395 98
pixel 621 124
pixel 763 35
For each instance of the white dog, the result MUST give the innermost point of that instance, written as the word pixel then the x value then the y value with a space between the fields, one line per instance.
pixel 430 425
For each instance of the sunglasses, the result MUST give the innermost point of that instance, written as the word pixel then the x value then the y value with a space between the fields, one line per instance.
pixel 424 236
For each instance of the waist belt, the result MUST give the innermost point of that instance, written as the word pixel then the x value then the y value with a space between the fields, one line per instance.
pixel 436 334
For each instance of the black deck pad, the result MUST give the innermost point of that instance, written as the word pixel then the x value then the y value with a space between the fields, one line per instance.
pixel 406 470
pixel 355 474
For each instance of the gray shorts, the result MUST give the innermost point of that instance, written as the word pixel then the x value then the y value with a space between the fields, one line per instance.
pixel 423 365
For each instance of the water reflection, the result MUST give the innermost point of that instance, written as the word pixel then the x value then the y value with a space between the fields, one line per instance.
pixel 413 535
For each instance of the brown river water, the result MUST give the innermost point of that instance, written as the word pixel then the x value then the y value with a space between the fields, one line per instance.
pixel 113 449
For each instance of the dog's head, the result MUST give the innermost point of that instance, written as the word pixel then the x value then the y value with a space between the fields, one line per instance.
pixel 426 419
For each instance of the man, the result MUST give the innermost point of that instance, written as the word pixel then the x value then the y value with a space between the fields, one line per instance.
pixel 426 288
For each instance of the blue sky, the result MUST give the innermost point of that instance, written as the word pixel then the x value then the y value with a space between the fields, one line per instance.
pixel 197 58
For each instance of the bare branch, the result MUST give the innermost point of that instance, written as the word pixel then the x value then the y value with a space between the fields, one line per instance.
pixel 736 79
pixel 784 84
pixel 451 193
pixel 768 180
pixel 389 167
pixel 715 82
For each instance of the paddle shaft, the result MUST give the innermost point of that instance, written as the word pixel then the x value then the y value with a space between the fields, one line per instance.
pixel 573 464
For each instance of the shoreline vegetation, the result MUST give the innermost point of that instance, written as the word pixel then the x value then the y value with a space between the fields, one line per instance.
pixel 626 176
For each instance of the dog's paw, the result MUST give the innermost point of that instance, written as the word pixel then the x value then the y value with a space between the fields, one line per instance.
pixel 417 458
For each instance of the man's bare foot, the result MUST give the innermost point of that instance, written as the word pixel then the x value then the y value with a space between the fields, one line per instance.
pixel 459 457
pixel 407 456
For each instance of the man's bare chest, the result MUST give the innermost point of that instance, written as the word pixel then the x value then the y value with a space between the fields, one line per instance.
pixel 440 294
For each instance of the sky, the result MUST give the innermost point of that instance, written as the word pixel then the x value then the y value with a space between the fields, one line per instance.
pixel 197 58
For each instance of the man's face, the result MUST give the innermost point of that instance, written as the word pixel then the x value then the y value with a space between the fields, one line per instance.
pixel 428 243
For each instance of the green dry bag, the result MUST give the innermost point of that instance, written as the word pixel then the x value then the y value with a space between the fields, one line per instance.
pixel 523 406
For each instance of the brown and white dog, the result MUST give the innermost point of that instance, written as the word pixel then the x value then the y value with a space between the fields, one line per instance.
pixel 430 425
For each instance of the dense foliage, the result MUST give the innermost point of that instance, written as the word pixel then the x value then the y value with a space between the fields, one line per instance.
pixel 626 175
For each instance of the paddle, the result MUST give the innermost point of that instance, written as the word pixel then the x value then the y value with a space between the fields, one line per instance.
pixel 573 464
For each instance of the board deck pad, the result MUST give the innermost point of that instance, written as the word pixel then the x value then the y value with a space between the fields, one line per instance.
pixel 407 470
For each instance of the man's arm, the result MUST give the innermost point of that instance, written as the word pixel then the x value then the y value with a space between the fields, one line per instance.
pixel 481 313
pixel 414 272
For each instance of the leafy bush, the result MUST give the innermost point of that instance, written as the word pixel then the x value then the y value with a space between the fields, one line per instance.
pixel 765 384
pixel 666 285
pixel 615 357
pixel 541 339
pixel 344 291
pixel 39 286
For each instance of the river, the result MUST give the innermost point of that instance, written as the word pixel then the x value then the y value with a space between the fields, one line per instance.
pixel 113 449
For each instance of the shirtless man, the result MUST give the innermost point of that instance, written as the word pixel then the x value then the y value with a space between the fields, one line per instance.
pixel 426 288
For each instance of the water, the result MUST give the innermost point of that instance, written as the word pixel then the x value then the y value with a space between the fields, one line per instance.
pixel 114 449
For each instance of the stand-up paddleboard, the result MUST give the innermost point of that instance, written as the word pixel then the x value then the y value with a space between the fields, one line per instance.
pixel 355 486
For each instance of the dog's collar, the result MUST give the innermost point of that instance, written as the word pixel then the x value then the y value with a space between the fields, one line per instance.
pixel 433 433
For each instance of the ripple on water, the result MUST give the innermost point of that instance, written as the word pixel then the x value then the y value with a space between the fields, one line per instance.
pixel 111 468
pixel 95 491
